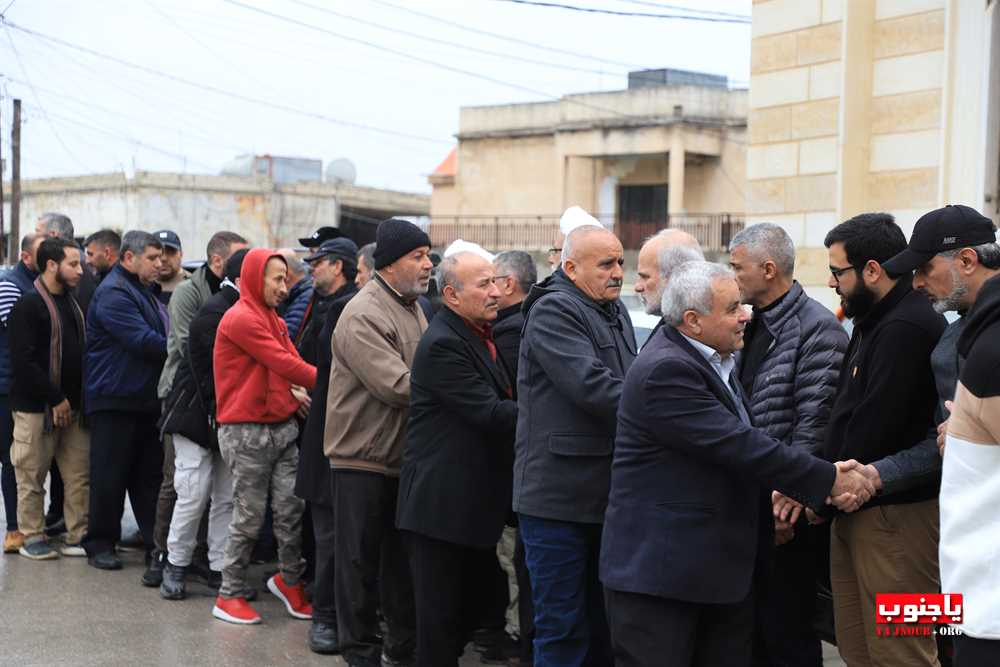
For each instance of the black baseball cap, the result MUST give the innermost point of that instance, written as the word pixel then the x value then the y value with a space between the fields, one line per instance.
pixel 341 248
pixel 950 228
pixel 168 238
pixel 320 235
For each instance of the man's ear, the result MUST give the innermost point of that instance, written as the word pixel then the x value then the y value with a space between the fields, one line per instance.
pixel 692 321
pixel 770 270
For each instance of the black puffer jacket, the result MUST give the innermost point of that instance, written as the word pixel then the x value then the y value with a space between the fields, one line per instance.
pixel 796 383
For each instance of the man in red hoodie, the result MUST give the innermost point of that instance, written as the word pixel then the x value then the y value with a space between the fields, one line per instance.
pixel 256 372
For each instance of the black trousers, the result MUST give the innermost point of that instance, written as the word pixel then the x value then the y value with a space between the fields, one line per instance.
pixel 372 569
pixel 125 455
pixel 647 631
pixel 447 582
pixel 972 652
pixel 786 603
pixel 323 599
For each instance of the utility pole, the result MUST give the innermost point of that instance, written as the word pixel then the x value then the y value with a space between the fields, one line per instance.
pixel 15 185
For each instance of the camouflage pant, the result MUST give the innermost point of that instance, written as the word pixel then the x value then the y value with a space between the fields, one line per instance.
pixel 262 456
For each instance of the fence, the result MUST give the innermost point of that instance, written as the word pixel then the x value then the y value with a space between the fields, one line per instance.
pixel 536 233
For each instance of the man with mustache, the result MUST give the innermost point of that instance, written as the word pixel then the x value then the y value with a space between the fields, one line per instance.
pixel 368 404
pixel 578 343
pixel 454 495
pixel 884 405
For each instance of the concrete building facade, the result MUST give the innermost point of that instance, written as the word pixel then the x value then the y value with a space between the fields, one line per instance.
pixel 633 158
pixel 870 105
pixel 197 206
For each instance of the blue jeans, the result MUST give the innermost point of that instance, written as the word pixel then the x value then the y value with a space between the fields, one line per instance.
pixel 570 626
pixel 8 484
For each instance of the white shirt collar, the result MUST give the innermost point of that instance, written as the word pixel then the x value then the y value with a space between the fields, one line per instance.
pixel 722 366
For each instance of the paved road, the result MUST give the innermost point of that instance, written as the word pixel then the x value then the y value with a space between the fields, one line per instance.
pixel 64 612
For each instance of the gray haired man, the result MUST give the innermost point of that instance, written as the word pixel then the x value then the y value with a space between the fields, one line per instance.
pixel 788 368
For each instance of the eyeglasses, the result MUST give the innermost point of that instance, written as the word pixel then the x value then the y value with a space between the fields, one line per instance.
pixel 836 273
pixel 553 251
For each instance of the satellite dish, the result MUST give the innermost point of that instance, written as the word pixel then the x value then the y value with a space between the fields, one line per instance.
pixel 341 170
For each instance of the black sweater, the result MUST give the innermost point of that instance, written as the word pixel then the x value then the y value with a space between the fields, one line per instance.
pixel 886 396
pixel 30 331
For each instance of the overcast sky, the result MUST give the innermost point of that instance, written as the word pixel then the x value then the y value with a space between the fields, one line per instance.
pixel 86 114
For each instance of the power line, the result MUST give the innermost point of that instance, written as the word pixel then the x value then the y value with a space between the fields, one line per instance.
pixel 660 5
pixel 507 38
pixel 38 99
pixel 207 141
pixel 426 61
pixel 133 140
pixel 445 42
pixel 220 91
pixel 612 12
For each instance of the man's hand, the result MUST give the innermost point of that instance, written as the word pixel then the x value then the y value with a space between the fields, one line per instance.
pixel 814 519
pixel 942 430
pixel 786 510
pixel 305 400
pixel 62 415
pixel 851 488
pixel 783 532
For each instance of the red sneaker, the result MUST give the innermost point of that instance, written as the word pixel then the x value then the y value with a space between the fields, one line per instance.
pixel 294 597
pixel 235 610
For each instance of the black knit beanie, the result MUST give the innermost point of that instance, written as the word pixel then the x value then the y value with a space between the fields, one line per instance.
pixel 395 238
pixel 234 265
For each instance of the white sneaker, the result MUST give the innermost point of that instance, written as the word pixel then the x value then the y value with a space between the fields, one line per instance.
pixel 72 550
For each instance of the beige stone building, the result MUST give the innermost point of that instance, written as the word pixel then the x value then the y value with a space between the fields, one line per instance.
pixel 865 105
pixel 671 147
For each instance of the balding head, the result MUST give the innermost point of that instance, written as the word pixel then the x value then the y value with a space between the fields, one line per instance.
pixel 468 288
pixel 296 267
pixel 658 258
pixel 592 258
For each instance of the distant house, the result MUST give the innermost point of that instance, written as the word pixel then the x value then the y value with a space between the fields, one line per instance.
pixel 668 150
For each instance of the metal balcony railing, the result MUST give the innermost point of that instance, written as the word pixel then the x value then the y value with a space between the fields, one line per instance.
pixel 536 232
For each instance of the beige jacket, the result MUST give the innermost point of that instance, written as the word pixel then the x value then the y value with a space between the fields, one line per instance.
pixel 368 403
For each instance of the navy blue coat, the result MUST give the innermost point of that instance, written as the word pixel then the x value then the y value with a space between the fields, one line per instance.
pixel 688 515
pixel 126 345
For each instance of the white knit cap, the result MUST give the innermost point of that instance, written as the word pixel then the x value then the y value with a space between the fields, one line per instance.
pixel 576 217
pixel 459 245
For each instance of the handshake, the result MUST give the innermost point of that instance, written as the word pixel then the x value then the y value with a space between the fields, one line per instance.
pixel 854 486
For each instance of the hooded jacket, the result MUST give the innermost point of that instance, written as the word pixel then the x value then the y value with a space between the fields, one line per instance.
pixel 255 363
pixel 970 486
pixel 573 359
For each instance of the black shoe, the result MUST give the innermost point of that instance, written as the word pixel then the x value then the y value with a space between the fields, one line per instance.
pixel 323 638
pixel 105 561
pixel 392 661
pixel 55 528
pixel 153 576
pixel 498 652
pixel 172 587
pixel 201 573
pixel 361 661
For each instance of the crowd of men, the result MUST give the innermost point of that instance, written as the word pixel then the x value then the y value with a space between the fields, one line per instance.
pixel 501 463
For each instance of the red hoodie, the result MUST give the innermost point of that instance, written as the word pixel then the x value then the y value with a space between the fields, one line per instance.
pixel 254 359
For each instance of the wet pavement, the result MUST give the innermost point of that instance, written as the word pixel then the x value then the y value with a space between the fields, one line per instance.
pixel 64 612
